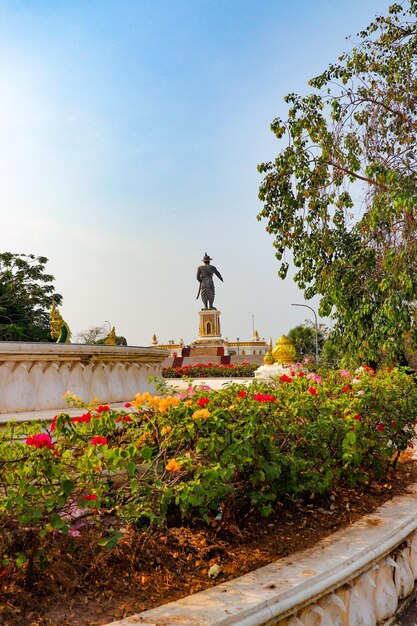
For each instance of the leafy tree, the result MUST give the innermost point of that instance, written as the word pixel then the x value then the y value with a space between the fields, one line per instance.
pixel 342 195
pixel 26 296
pixel 303 337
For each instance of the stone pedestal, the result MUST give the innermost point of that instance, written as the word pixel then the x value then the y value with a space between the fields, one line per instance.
pixel 209 328
pixel 270 372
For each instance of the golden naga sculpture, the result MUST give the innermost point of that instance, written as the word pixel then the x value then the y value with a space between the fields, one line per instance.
pixel 110 340
pixel 283 352
pixel 59 328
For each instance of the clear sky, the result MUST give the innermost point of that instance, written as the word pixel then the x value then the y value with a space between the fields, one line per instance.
pixel 130 133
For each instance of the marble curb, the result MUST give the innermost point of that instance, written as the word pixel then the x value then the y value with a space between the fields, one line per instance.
pixel 48 416
pixel 278 589
pixel 214 383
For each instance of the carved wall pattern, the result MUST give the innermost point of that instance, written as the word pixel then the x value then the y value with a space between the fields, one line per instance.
pixel 31 384
pixel 368 599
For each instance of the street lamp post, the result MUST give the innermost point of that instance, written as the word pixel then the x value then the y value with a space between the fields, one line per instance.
pixel 237 339
pixel 315 326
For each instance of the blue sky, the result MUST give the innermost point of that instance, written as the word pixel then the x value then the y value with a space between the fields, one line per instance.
pixel 130 135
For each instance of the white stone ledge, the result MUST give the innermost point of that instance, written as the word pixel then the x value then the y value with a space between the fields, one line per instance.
pixel 48 416
pixel 35 376
pixel 308 581
pixel 217 383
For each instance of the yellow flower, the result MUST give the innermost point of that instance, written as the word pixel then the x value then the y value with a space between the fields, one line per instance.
pixel 188 403
pixel 165 430
pixel 173 466
pixel 201 414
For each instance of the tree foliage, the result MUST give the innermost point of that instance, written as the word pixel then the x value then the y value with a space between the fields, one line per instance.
pixel 26 296
pixel 303 337
pixel 341 196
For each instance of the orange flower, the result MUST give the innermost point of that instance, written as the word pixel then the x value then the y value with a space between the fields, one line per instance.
pixel 173 466
pixel 165 430
pixel 201 414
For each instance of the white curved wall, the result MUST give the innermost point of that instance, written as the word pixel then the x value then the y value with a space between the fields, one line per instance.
pixel 35 376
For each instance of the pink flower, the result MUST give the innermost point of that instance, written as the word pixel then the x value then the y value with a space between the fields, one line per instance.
pixel 345 373
pixel 360 392
pixel 73 533
pixel 318 378
pixel 41 440
pixel 98 441
pixel 310 375
pixel 306 359
pixel 312 391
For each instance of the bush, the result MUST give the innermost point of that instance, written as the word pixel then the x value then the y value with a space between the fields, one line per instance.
pixel 211 370
pixel 190 453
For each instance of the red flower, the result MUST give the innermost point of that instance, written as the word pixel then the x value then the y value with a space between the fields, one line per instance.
pixel 98 441
pixel 91 496
pixel 86 418
pixel 124 418
pixel 41 440
pixel 346 388
pixel 393 423
pixel 203 401
pixel 127 405
pixel 381 428
pixel 260 397
pixel 300 373
pixel 313 391
pixel 357 417
pixel 102 408
pixel 411 445
pixel 285 379
pixel 242 394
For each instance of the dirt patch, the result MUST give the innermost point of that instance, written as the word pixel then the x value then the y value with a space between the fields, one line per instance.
pixel 83 586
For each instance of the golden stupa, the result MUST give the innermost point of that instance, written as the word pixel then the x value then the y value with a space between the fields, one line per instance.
pixel 110 340
pixel 284 351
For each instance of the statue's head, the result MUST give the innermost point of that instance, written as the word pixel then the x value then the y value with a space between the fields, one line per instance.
pixel 206 258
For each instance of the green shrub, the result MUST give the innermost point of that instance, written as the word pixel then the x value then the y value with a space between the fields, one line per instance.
pixel 197 451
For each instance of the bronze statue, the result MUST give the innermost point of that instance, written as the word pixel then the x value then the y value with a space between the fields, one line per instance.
pixel 205 278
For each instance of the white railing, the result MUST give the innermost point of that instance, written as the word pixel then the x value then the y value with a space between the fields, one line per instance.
pixel 35 376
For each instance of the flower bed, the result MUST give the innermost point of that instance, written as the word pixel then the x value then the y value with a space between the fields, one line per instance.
pixel 211 370
pixel 195 456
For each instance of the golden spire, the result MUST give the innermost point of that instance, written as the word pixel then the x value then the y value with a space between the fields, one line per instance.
pixel 110 340
pixel 284 351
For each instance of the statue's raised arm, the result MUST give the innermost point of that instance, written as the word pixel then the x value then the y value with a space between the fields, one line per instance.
pixel 205 278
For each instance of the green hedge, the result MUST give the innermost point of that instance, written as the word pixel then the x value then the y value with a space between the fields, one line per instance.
pixel 211 370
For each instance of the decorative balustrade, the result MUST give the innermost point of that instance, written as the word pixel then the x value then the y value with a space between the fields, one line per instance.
pixel 35 376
